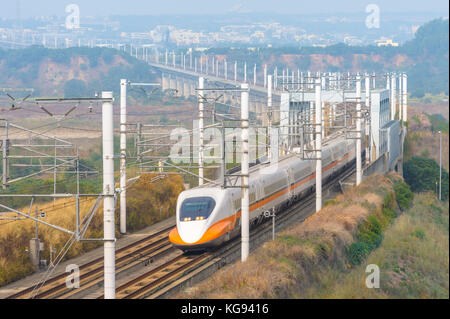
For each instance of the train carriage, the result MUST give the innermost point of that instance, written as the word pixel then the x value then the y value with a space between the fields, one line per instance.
pixel 209 215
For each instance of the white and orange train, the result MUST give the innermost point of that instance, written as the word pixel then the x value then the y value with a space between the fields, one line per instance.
pixel 209 215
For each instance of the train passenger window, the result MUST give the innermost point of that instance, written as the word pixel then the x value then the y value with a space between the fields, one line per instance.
pixel 196 208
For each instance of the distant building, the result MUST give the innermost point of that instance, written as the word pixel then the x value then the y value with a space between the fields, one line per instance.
pixel 386 43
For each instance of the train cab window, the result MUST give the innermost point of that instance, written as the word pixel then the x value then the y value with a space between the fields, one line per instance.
pixel 196 208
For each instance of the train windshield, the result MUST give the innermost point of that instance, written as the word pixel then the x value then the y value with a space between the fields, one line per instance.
pixel 196 208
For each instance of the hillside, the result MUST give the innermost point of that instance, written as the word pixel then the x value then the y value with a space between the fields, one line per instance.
pixel 423 137
pixel 424 59
pixel 326 256
pixel 83 71
pixel 70 72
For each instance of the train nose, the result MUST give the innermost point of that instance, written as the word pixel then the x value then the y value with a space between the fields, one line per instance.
pixel 192 231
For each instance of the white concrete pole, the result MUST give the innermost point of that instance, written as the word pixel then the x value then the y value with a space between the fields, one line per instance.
pixel 348 80
pixel 309 80
pixel 323 119
pixel 269 112
pixel 225 67
pixel 400 97
pixel 265 75
pixel 440 165
pixel 358 131
pixel 190 60
pixel 108 198
pixel 367 120
pixel 201 85
pixel 217 68
pixel 318 131
pixel 245 218
pixel 123 156
pixel 393 96
pixel 173 59
pixel 245 72
pixel 254 75
pixel 275 78
pixel 5 157
pixel 287 78
pixel 330 116
pixel 301 81
pixel 405 98
pixel 293 80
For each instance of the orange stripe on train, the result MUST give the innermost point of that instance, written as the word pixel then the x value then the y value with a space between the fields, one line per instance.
pixel 228 224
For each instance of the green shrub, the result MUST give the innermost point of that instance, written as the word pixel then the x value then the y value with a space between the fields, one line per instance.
pixel 357 252
pixel 419 233
pixel 404 195
pixel 370 232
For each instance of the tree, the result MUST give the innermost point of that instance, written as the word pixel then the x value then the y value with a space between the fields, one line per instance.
pixel 422 174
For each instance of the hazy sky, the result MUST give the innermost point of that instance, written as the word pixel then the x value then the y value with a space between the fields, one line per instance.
pixel 110 7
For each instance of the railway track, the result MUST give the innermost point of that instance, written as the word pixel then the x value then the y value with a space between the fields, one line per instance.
pixel 156 278
pixel 149 285
pixel 91 274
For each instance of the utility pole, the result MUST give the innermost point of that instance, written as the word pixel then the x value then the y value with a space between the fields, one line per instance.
pixel 269 113
pixel 318 131
pixel 35 243
pixel 265 75
pixel 400 98
pixel 123 156
pixel 440 164
pixel 358 131
pixel 201 85
pixel 393 96
pixel 108 197
pixel 367 120
pixel 225 69
pixel 54 172
pixel 405 97
pixel 5 154
pixel 245 214
pixel 245 72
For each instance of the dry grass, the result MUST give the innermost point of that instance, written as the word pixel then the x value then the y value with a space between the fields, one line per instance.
pixel 421 141
pixel 15 236
pixel 286 267
pixel 144 202
pixel 413 259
